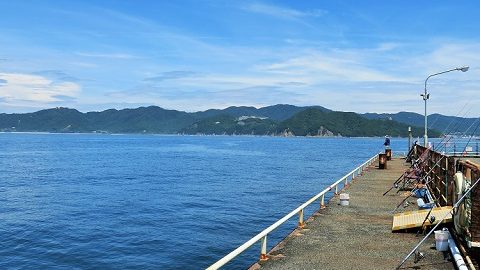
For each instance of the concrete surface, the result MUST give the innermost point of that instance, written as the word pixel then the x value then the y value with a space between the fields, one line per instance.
pixel 357 236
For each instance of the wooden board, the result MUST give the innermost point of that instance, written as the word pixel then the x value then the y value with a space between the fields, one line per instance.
pixel 414 219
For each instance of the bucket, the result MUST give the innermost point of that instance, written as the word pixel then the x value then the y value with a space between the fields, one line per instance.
pixel 441 240
pixel 344 199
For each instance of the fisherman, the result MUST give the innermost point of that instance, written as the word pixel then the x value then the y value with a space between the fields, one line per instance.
pixel 387 142
pixel 420 189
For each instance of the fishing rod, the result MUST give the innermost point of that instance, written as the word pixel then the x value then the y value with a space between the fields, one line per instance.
pixel 453 119
pixel 465 149
pixel 463 117
pixel 408 158
pixel 457 124
pixel 471 136
pixel 425 220
pixel 395 184
pixel 438 224
pixel 471 125
pixel 449 134
pixel 423 178
pixel 455 127
pixel 436 164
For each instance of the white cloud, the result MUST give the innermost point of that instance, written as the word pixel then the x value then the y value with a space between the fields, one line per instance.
pixel 319 66
pixel 28 89
pixel 282 12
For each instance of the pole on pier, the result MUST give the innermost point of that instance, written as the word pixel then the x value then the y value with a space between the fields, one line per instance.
pixel 409 138
pixel 322 202
pixel 263 253
pixel 301 224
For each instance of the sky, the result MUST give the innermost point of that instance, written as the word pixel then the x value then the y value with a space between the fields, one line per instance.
pixel 361 56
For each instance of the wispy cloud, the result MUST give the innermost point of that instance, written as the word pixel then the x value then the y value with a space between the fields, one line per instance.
pixel 171 75
pixel 57 75
pixel 107 55
pixel 282 12
pixel 349 54
pixel 320 66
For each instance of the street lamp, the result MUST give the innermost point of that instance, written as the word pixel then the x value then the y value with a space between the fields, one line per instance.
pixel 426 96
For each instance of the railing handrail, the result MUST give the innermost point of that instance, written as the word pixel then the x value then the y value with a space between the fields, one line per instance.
pixel 297 210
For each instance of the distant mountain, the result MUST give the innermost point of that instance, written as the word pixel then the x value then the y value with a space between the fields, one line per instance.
pixel 442 123
pixel 279 119
pixel 310 121
pixel 150 119
pixel 51 120
pixel 144 119
pixel 229 125
pixel 277 112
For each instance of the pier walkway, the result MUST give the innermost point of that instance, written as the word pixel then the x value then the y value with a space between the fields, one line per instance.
pixel 358 236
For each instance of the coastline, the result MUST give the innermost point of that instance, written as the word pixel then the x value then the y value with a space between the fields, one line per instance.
pixel 189 135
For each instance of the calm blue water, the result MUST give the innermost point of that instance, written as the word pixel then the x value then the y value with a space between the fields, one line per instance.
pixel 77 201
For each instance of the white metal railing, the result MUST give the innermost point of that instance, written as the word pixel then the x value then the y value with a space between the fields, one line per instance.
pixel 399 153
pixel 299 210
pixel 463 154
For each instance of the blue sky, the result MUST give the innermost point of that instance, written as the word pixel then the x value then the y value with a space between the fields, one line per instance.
pixel 362 56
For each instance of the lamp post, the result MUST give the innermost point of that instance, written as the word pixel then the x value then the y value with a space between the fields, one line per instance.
pixel 426 96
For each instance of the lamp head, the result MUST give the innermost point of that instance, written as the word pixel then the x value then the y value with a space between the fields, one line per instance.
pixel 463 69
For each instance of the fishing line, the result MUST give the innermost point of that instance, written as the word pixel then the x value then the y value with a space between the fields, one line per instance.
pixel 465 149
pixel 438 224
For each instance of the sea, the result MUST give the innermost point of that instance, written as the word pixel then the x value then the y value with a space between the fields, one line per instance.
pixel 99 201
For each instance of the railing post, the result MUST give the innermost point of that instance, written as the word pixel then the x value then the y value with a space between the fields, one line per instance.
pixel 263 253
pixel 346 182
pixel 262 236
pixel 301 224
pixel 322 202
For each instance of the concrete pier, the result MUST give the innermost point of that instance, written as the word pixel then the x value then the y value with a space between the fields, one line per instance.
pixel 358 236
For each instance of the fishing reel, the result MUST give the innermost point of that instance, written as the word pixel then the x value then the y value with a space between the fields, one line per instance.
pixel 418 256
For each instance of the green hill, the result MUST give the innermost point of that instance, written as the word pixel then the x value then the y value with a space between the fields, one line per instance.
pixel 272 120
pixel 144 119
pixel 310 121
pixel 229 125
pixel 446 124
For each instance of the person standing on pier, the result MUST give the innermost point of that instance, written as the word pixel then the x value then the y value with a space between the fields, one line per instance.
pixel 387 142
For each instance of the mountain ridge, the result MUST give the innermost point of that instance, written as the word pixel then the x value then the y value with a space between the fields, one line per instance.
pixel 280 119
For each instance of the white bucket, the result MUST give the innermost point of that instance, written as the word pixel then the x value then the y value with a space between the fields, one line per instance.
pixel 441 240
pixel 344 199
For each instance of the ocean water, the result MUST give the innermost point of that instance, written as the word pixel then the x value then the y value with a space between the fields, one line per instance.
pixel 79 201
